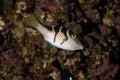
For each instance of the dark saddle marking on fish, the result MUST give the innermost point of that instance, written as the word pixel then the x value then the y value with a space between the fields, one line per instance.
pixel 58 29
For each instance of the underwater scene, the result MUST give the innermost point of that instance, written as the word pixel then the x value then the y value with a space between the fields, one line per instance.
pixel 59 39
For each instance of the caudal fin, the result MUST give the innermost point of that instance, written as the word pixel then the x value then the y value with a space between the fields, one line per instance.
pixel 31 21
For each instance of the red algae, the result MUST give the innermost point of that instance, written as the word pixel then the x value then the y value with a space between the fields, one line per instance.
pixel 25 55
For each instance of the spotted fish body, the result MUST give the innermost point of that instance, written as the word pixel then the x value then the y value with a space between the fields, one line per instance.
pixel 59 38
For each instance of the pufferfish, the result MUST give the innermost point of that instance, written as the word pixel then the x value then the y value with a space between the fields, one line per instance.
pixel 58 36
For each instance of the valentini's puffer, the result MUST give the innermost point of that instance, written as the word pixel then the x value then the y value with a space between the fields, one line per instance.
pixel 57 36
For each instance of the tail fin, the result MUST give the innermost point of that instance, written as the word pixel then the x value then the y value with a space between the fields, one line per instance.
pixel 31 20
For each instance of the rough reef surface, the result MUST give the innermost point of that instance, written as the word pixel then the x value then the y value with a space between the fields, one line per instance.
pixel 25 55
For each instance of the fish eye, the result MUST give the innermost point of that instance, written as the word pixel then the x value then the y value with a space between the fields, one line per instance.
pixel 73 35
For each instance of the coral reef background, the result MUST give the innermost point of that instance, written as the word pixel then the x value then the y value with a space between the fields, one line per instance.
pixel 24 55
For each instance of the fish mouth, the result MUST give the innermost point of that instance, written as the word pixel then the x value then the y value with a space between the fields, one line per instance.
pixel 79 43
pixel 81 47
